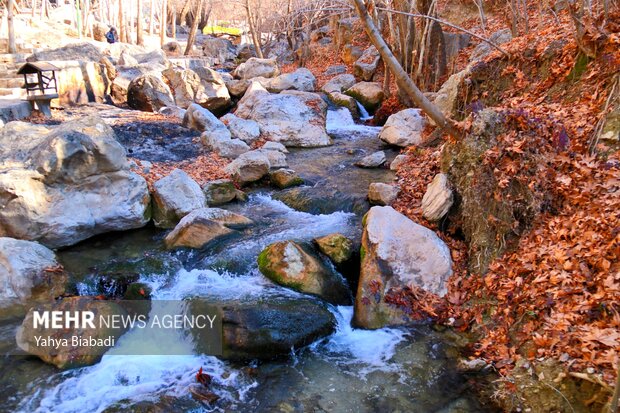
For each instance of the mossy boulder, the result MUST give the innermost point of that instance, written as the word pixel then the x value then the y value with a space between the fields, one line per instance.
pixel 292 265
pixel 369 94
pixel 285 178
pixel 337 247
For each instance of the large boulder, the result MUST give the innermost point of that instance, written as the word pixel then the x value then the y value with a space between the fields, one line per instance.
pixel 403 128
pixel 175 196
pixel 74 51
pixel 185 85
pixel 366 66
pixel 277 159
pixel 255 67
pixel 203 226
pixel 149 93
pixel 202 120
pixel 297 267
pixel 397 255
pixel 265 329
pixel 67 183
pixel 438 198
pixel 245 129
pixel 249 167
pixel 292 118
pixel 214 93
pixel 28 269
pixel 218 49
pixel 369 94
pixel 68 354
pixel 122 78
pixel 484 49
pixel 447 96
pixel 237 87
pixel 226 148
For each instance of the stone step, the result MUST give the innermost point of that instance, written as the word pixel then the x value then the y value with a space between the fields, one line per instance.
pixel 16 82
pixel 14 109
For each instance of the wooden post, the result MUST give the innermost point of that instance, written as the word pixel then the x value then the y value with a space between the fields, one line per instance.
pixel 11 24
pixel 162 22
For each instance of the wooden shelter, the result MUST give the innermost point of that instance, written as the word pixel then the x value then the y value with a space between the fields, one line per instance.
pixel 40 84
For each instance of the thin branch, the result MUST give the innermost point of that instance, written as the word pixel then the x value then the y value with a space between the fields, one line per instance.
pixel 424 16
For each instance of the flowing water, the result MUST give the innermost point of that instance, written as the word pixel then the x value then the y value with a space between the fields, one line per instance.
pixel 386 370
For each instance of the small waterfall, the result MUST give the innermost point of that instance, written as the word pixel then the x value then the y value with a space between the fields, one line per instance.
pixel 364 115
pixel 340 124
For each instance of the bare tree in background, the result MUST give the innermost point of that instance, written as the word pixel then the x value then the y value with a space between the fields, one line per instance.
pixel 192 33
pixel 11 24
pixel 162 22
pixel 139 34
pixel 253 31
pixel 401 77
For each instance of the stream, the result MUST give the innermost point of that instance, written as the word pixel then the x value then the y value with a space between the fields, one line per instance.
pixel 388 370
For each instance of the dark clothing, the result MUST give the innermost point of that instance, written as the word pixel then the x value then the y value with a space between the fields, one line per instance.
pixel 111 36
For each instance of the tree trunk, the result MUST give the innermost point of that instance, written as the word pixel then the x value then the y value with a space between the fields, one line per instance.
pixel 255 37
pixel 78 18
pixel 11 24
pixel 162 22
pixel 173 21
pixel 401 76
pixel 194 29
pixel 152 17
pixel 139 34
pixel 184 11
pixel 122 35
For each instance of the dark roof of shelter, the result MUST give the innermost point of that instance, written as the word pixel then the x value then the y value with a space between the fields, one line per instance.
pixel 34 67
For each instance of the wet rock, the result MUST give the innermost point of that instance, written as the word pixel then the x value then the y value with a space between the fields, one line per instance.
pixel 214 93
pixel 219 192
pixel 366 66
pixel 265 329
pixel 382 194
pixel 403 128
pixel 369 94
pixel 292 118
pixel 340 99
pixel 438 198
pixel 249 167
pixel 351 53
pixel 339 83
pixel 149 93
pixel 397 162
pixel 175 196
pixel 23 274
pixel 70 355
pixel 202 394
pixel 244 129
pixel 374 160
pixel 396 254
pixel 63 184
pixel 337 247
pixel 285 178
pixel 255 67
pixel 274 146
pixel 202 120
pixel 218 49
pixel 297 267
pixel 138 291
pixel 185 85
pixel 203 226
pixel 484 49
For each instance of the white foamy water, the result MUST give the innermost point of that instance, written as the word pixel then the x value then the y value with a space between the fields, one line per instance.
pixel 370 350
pixel 340 124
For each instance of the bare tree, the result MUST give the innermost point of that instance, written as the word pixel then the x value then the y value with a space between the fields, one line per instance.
pixel 139 34
pixel 192 33
pixel 162 22
pixel 11 24
pixel 401 77
pixel 253 31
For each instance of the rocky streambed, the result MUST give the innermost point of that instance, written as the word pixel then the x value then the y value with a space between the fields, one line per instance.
pixel 283 350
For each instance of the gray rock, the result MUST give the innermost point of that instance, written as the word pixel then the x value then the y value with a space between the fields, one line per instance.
pixel 438 198
pixel 292 118
pixel 219 192
pixel 185 85
pixel 249 167
pixel 202 120
pixel 397 162
pixel 339 83
pixel 173 111
pixel 335 70
pixel 245 129
pixel 227 148
pixel 237 87
pixel 285 178
pixel 366 66
pixel 484 49
pixel 255 67
pixel 373 160
pixel 382 194
pixel 397 254
pixel 175 196
pixel 214 94
pixel 369 94
pixel 277 159
pixel 403 128
pixel 301 79
pixel 274 146
pixel 149 93
pixel 218 49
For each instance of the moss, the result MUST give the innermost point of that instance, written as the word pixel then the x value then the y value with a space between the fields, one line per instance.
pixel 269 269
pixel 364 219
pixel 581 64
pixel 362 253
